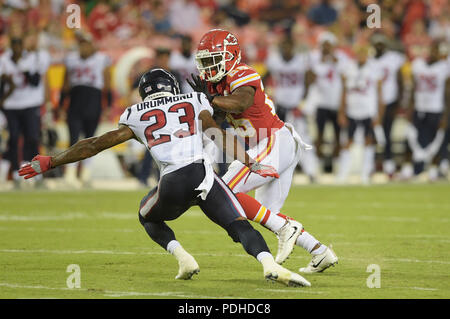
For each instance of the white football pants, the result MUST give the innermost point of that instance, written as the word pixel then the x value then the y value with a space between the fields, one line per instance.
pixel 280 150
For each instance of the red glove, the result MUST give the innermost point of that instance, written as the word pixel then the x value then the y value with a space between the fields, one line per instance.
pixel 262 170
pixel 38 165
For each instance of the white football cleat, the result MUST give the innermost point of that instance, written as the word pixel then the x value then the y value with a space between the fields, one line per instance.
pixel 275 272
pixel 321 262
pixel 287 237
pixel 187 264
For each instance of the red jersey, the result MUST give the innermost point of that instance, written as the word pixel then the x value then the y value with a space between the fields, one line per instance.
pixel 259 120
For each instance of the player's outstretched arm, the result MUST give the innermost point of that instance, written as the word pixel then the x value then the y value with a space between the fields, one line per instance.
pixel 81 150
pixel 211 129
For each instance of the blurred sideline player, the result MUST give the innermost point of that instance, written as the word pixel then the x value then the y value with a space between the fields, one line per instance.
pixel 428 112
pixel 236 91
pixel 87 76
pixel 291 74
pixel 361 106
pixel 444 154
pixel 6 88
pixel 22 102
pixel 183 62
pixel 328 65
pixel 171 126
pixel 390 62
pixel 4 163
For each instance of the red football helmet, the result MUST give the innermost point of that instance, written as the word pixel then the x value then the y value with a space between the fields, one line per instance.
pixel 217 54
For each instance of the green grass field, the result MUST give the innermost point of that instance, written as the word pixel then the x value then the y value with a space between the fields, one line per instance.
pixel 402 228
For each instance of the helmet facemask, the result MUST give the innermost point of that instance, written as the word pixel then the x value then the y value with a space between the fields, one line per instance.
pixel 212 65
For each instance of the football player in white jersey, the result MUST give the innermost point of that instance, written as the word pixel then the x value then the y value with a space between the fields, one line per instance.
pixel 390 62
pixel 429 109
pixel 6 88
pixel 183 62
pixel 22 104
pixel 328 65
pixel 170 125
pixel 291 75
pixel 361 106
pixel 86 78
pixel 444 152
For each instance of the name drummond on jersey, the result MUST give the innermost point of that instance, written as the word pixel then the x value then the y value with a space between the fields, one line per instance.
pixel 164 100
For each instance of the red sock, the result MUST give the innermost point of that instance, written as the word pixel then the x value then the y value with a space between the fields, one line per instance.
pixel 253 209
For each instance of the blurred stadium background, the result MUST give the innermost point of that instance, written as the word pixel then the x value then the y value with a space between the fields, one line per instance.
pixel 402 228
pixel 136 35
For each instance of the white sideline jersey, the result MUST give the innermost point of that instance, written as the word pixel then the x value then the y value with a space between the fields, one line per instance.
pixel 87 72
pixel 289 78
pixel 170 128
pixel 430 81
pixel 361 85
pixel 328 78
pixel 25 95
pixel 389 63
pixel 185 66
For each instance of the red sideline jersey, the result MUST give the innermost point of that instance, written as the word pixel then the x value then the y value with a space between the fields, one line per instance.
pixel 259 120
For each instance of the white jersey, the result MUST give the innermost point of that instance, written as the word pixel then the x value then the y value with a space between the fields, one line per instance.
pixel 185 66
pixel 430 81
pixel 390 63
pixel 328 78
pixel 362 93
pixel 289 78
pixel 170 128
pixel 86 72
pixel 25 95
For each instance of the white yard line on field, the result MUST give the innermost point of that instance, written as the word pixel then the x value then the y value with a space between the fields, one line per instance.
pixel 413 288
pixel 302 291
pixel 112 252
pixel 67 230
pixel 111 293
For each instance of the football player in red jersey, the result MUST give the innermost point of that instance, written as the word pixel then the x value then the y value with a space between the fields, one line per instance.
pixel 236 92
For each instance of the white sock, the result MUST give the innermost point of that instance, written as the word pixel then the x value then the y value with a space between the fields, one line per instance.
pixel 389 167
pixel 4 169
pixel 319 250
pixel 71 170
pixel 263 255
pixel 87 163
pixel 15 175
pixel 308 242
pixel 344 165
pixel 433 173
pixel 368 163
pixel 172 245
pixel 407 171
pixel 274 222
pixel 444 166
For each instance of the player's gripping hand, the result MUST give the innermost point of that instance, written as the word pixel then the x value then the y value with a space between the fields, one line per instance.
pixel 262 170
pixel 38 165
pixel 199 85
